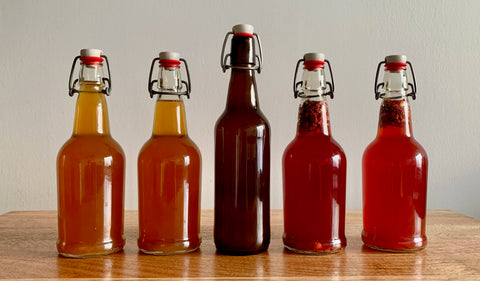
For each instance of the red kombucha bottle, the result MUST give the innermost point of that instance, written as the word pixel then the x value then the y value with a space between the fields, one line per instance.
pixel 242 155
pixel 169 169
pixel 394 169
pixel 314 170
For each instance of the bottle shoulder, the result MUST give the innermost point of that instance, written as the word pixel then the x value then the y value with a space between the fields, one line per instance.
pixel 92 147
pixel 314 147
pixel 242 119
pixel 169 147
pixel 394 148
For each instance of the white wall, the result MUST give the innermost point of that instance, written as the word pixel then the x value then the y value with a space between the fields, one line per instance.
pixel 39 40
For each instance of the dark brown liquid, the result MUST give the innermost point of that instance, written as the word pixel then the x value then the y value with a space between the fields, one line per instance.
pixel 242 167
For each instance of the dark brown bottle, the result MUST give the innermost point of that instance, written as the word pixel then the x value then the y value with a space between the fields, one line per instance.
pixel 242 156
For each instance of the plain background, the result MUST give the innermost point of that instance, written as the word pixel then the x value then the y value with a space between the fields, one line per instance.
pixel 39 40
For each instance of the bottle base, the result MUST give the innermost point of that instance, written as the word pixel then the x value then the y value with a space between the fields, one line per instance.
pixel 241 253
pixel 90 255
pixel 168 253
pixel 316 253
pixel 399 245
pixel 164 248
pixel 405 250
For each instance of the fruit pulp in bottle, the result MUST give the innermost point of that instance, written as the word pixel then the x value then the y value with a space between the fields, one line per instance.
pixel 394 184
pixel 314 176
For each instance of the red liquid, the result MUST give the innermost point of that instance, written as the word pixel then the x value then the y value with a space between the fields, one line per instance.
pixel 314 176
pixel 394 184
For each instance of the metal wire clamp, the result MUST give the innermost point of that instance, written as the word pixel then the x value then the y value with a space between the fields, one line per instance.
pixel 188 85
pixel 259 58
pixel 72 88
pixel 298 85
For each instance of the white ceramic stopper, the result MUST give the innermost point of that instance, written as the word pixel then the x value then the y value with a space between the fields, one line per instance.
pixel 91 53
pixel 169 56
pixel 396 58
pixel 243 28
pixel 314 57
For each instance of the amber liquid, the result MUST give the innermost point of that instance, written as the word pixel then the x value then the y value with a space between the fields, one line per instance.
pixel 90 178
pixel 242 171
pixel 169 171
pixel 394 184
pixel 314 184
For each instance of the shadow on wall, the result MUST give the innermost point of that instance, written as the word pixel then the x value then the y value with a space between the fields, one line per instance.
pixel 447 194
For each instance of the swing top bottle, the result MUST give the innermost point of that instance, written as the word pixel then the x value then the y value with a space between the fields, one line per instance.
pixel 314 169
pixel 90 169
pixel 169 168
pixel 242 154
pixel 395 168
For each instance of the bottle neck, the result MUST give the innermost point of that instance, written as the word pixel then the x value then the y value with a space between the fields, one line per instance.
pixel 395 84
pixel 313 82
pixel 313 118
pixel 395 119
pixel 169 79
pixel 91 113
pixel 242 91
pixel 170 118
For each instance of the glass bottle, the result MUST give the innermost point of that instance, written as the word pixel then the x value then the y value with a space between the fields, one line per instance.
pixel 394 169
pixel 314 170
pixel 242 155
pixel 169 169
pixel 90 169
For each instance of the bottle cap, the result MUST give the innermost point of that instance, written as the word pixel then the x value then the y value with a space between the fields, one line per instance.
pixel 91 56
pixel 396 58
pixel 313 61
pixel 243 30
pixel 91 53
pixel 395 62
pixel 169 56
pixel 169 59
pixel 314 57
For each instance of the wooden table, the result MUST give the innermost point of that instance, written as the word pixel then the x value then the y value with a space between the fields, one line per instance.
pixel 27 251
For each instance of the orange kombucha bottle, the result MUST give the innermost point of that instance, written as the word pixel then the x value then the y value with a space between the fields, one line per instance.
pixel 90 170
pixel 169 170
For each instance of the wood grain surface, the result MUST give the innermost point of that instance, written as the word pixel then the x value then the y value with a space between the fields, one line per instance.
pixel 27 252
